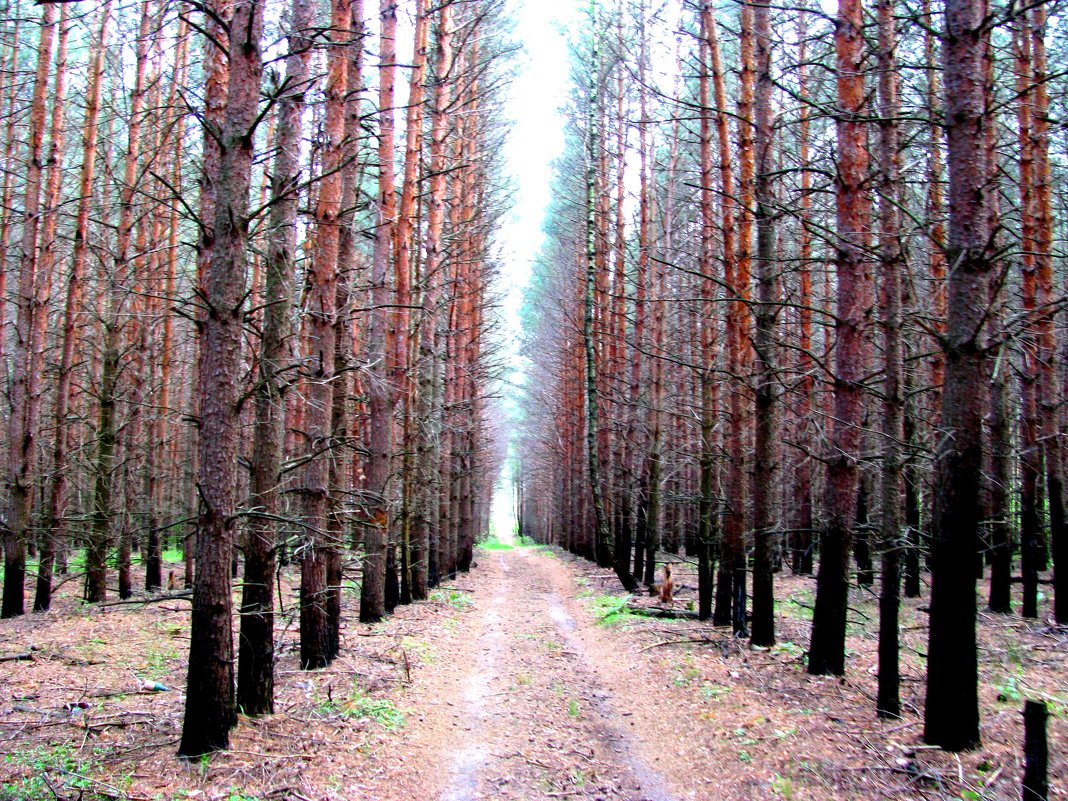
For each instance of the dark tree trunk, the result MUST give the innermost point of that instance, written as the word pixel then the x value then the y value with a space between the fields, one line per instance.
pixel 764 455
pixel 314 633
pixel 827 648
pixel 951 714
pixel 862 540
pixel 911 543
pixel 1036 752
pixel 210 710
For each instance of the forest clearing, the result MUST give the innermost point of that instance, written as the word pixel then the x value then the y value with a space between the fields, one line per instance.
pixel 525 679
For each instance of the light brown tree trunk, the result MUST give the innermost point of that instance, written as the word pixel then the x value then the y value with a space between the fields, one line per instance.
pixel 732 532
pixel 216 76
pixel 22 427
pixel 641 277
pixel 373 588
pixel 803 520
pixel 708 528
pixel 8 96
pixel 319 358
pixel 426 572
pixel 47 258
pixel 1049 398
pixel 1030 444
pixel 406 244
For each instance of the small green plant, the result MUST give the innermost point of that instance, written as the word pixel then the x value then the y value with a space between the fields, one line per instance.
pixel 158 661
pixel 1009 692
pixel 609 609
pixel 455 598
pixel 800 604
pixel 686 676
pixel 420 649
pixel 380 710
pixel 744 756
pixel 789 649
pixel 60 767
pixel 578 778
pixel 573 708
pixel 713 692
pixel 782 786
pixel 523 679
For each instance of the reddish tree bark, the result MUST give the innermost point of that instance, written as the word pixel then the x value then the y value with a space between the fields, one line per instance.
pixel 210 710
pixel 22 426
pixel 373 588
pixel 853 218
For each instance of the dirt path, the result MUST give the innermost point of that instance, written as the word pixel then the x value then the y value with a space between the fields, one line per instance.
pixel 503 685
pixel 528 715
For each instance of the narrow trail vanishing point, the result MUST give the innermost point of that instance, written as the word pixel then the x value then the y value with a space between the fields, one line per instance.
pixel 530 712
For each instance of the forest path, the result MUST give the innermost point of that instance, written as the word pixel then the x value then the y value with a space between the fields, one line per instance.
pixel 529 714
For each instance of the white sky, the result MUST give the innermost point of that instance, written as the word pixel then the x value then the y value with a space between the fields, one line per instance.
pixel 535 99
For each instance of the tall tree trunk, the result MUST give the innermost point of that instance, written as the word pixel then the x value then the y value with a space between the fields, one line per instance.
pixel 428 531
pixel 827 648
pixel 210 710
pixel 9 95
pixel 721 615
pixel 22 426
pixel 891 258
pixel 413 554
pixel 321 305
pixel 951 713
pixel 373 588
pixel 603 540
pixel 766 429
pixel 803 546
pixel 708 529
pixel 47 258
pixel 1030 444
pixel 125 271
pixel 255 676
pixel 1049 398
pixel 216 78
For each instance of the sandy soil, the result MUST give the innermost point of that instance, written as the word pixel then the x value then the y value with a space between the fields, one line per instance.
pixel 517 681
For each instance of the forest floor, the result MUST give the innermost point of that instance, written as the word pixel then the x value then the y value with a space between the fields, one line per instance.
pixel 526 679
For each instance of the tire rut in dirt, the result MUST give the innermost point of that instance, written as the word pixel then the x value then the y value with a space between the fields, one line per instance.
pixel 540 722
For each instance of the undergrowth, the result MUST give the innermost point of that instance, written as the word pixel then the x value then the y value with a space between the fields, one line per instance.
pixel 52 772
pixel 609 609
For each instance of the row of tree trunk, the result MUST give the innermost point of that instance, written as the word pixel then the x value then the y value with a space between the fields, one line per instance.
pixel 253 252
pixel 806 333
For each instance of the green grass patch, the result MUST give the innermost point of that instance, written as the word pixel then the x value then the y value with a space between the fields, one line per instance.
pixel 609 609
pixel 358 706
pixel 494 544
pixel 800 605
pixel 61 769
pixel 454 598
